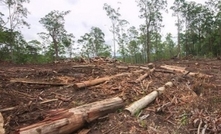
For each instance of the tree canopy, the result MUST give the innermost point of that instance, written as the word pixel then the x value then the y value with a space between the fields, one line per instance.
pixel 198 33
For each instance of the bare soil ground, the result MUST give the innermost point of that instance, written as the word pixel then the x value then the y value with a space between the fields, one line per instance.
pixel 192 105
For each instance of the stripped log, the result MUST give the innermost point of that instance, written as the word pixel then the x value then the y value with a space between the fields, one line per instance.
pixel 122 67
pixel 83 66
pixel 145 68
pixel 142 77
pixel 67 121
pixel 2 130
pixel 185 72
pixel 96 81
pixel 164 71
pixel 143 102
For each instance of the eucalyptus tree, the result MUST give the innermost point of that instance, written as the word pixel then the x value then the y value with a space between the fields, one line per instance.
pixel 215 7
pixel 114 15
pixel 86 47
pixel 169 46
pixel 150 11
pixel 93 43
pixel 177 12
pixel 133 45
pixel 54 22
pixel 96 39
pixel 122 39
pixel 17 13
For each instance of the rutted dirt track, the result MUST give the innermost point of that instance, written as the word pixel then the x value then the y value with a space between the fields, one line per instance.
pixel 192 105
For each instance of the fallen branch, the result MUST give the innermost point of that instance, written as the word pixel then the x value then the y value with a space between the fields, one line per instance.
pixel 68 121
pixel 142 77
pixel 13 108
pixel 36 82
pixel 143 102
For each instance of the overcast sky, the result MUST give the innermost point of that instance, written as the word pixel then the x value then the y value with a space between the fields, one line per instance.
pixel 87 13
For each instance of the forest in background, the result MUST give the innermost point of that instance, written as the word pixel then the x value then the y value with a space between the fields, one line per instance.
pixel 198 34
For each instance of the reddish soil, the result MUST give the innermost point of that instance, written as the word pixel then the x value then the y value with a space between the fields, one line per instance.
pixel 192 102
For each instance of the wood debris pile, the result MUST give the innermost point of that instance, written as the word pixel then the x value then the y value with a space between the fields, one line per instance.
pixel 181 97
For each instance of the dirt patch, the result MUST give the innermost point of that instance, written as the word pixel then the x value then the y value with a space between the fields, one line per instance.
pixel 190 104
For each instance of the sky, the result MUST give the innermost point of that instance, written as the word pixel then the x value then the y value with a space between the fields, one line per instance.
pixel 87 13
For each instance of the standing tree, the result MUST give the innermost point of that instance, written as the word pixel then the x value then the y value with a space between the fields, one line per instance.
pixel 53 22
pixel 151 12
pixel 122 37
pixel 169 46
pixel 16 14
pixel 177 12
pixel 114 16
pixel 94 44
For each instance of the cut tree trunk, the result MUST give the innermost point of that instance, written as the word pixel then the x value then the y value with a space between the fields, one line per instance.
pixel 185 72
pixel 2 130
pixel 83 66
pixel 97 81
pixel 21 80
pixel 143 102
pixel 145 68
pixel 67 121
pixel 122 67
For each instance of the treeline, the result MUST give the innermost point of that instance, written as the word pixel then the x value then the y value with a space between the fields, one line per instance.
pixel 198 34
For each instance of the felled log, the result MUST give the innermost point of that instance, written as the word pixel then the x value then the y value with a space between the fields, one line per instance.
pixel 174 68
pixel 164 71
pixel 143 102
pixel 142 77
pixel 122 67
pixel 185 72
pixel 68 121
pixel 145 68
pixel 2 130
pixel 83 66
pixel 96 81
pixel 21 80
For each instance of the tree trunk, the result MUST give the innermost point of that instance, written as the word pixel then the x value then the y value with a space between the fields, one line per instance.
pixel 114 40
pixel 67 121
pixel 148 47
pixel 55 48
pixel 11 34
pixel 2 130
pixel 143 102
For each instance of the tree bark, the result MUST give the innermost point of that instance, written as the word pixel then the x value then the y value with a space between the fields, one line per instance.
pixel 67 121
pixel 56 49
